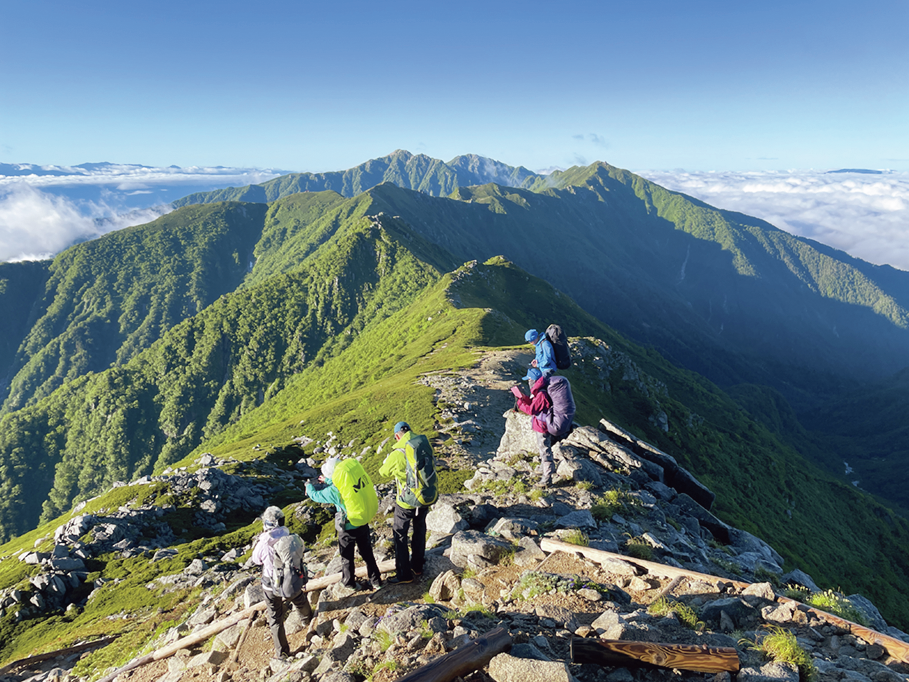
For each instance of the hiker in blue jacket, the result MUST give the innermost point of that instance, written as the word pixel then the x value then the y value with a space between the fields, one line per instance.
pixel 350 537
pixel 544 359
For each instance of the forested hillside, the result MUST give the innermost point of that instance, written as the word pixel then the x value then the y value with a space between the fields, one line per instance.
pixel 201 375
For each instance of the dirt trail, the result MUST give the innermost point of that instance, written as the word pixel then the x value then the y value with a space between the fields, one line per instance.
pixel 473 402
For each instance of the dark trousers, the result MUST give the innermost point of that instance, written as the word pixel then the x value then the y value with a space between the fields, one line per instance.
pixel 347 541
pixel 409 562
pixel 275 609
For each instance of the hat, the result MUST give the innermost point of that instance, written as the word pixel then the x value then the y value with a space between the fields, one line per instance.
pixel 402 426
pixel 328 468
pixel 531 336
pixel 272 517
pixel 533 374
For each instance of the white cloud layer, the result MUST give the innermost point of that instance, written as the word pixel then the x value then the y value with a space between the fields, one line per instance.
pixel 45 209
pixel 126 177
pixel 36 225
pixel 864 214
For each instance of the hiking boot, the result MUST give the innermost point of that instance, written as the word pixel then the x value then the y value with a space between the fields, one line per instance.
pixel 398 580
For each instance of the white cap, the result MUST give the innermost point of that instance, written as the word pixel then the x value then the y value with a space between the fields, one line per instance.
pixel 328 468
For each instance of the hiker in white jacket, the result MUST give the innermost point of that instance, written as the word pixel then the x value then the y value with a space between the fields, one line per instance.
pixel 264 555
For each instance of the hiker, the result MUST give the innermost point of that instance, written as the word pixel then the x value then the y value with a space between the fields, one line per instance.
pixel 346 485
pixel 412 465
pixel 552 409
pixel 544 355
pixel 273 529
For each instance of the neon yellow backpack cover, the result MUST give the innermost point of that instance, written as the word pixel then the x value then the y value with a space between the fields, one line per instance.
pixel 357 491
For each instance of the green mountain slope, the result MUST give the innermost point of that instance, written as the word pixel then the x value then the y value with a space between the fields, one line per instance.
pixel 107 299
pixel 201 375
pixel 762 484
pixel 693 281
pixel 417 172
pixel 834 532
pixel 21 285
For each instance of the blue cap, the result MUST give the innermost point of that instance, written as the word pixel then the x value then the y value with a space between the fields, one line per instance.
pixel 402 426
pixel 533 374
pixel 531 336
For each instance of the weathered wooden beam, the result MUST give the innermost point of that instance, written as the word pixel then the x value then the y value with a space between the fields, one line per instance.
pixel 463 660
pixel 620 653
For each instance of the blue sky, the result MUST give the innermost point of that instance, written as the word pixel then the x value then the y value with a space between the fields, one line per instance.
pixel 300 86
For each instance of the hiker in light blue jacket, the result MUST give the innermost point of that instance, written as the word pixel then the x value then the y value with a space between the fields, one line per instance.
pixel 544 355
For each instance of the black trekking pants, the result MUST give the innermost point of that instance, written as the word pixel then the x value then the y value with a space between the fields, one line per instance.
pixel 356 538
pixel 408 562
pixel 275 610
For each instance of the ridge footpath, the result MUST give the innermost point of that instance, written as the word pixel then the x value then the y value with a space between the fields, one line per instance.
pixel 489 568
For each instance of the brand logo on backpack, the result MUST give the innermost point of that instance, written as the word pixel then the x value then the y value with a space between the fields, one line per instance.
pixel 356 490
pixel 559 346
pixel 289 573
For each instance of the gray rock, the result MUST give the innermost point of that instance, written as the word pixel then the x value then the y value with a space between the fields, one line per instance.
pixel 470 542
pixel 719 530
pixel 445 586
pixel 343 646
pixel 209 657
pixel 799 577
pixel 512 528
pixel 735 608
pixel 770 672
pixel 744 541
pixel 508 668
pixel 444 518
pixel 529 552
pixel 866 608
pixel 197 567
pixel 760 590
pixel 562 616
pixel 528 651
pixel 253 594
pixel 338 676
pixel 579 469
pixel 202 616
pixel 66 564
pixel 519 436
pixel 410 618
pixel 577 519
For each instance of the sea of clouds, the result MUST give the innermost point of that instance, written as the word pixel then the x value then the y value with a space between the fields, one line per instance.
pixel 43 210
pixel 863 214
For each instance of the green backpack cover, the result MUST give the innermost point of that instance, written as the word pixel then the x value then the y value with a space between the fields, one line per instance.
pixel 421 488
pixel 357 491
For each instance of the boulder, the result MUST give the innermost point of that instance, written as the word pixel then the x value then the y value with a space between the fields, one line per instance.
pixel 519 436
pixel 581 518
pixel 411 618
pixel 445 586
pixel 445 519
pixel 467 543
pixel 529 552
